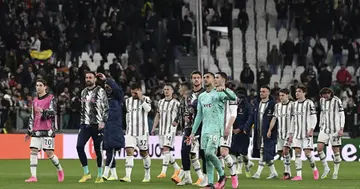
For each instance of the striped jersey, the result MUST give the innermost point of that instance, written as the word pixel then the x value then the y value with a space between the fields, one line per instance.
pixel 168 110
pixel 283 113
pixel 230 110
pixel 332 117
pixel 303 119
pixel 262 108
pixel 94 106
pixel 137 116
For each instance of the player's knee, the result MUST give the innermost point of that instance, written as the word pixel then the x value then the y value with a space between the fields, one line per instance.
pixel 307 153
pixel 80 147
pixel 165 149
pixel 143 153
pixel 49 153
pixel 281 153
pixel 320 147
pixel 297 151
pixel 34 150
pixel 129 151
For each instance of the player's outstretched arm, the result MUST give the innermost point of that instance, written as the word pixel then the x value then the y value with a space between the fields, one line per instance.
pixel 51 112
pixel 102 106
pixel 198 118
pixel 116 89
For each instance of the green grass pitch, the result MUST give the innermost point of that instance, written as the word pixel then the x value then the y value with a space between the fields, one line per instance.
pixel 14 172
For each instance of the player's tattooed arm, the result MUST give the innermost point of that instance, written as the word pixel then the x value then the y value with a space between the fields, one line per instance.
pixel 102 106
pixel 51 112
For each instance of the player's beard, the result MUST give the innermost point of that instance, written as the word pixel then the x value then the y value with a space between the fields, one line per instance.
pixel 89 83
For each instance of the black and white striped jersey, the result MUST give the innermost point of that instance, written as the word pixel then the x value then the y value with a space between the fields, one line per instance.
pixel 137 116
pixel 168 110
pixel 304 118
pixel 283 113
pixel 94 106
pixel 332 116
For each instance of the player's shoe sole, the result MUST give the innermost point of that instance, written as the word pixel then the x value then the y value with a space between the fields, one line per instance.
pixel 125 179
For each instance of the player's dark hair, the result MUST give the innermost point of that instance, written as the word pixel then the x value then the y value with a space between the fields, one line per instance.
pixel 186 84
pixel 265 87
pixel 169 85
pixel 223 75
pixel 285 91
pixel 135 86
pixel 42 81
pixel 210 73
pixel 196 72
pixel 326 90
pixel 302 88
pixel 90 72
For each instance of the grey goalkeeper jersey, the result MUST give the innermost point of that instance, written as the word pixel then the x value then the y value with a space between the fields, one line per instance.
pixel 94 106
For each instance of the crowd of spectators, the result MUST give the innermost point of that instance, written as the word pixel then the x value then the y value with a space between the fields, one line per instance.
pixel 146 37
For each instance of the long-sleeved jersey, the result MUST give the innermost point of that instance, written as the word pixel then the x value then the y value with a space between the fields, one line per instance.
pixel 211 111
pixel 94 106
pixel 332 116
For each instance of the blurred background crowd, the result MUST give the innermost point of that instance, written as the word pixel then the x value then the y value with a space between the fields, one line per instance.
pixel 144 40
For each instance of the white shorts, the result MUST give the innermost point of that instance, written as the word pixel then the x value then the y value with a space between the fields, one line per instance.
pixel 334 139
pixel 42 143
pixel 195 146
pixel 226 142
pixel 167 140
pixel 142 142
pixel 281 143
pixel 306 143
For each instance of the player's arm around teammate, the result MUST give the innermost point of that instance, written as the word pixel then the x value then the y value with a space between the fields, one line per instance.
pixel 332 121
pixel 42 127
pixel 137 131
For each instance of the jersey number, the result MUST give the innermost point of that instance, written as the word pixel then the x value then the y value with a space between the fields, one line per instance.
pixel 168 138
pixel 48 142
pixel 142 142
pixel 308 141
pixel 336 139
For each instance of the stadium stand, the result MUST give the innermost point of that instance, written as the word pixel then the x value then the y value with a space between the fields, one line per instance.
pixel 289 42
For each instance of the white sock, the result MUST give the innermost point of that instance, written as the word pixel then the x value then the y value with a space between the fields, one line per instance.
pixel 240 162
pixel 323 159
pixel 298 165
pixel 166 160
pixel 33 163
pixel 312 162
pixel 287 162
pixel 187 175
pixel 260 167
pixel 337 160
pixel 197 167
pixel 55 160
pixel 147 166
pixel 230 163
pixel 272 167
pixel 173 162
pixel 129 164
pixel 113 172
pixel 106 171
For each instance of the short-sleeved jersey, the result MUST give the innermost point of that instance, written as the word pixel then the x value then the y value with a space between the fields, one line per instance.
pixel 283 113
pixel 136 117
pixel 168 110
pixel 332 116
pixel 303 119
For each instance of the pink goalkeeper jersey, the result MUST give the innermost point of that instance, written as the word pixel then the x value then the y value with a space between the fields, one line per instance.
pixel 43 121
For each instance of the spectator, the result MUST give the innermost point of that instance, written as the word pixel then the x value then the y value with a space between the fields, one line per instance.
pixel 337 48
pixel 308 74
pixel 318 54
pixel 288 49
pixel 353 48
pixel 325 77
pixel 263 77
pixel 247 77
pixel 187 30
pixel 343 76
pixel 275 90
pixel 274 59
pixel 282 11
pixel 302 49
pixel 243 21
